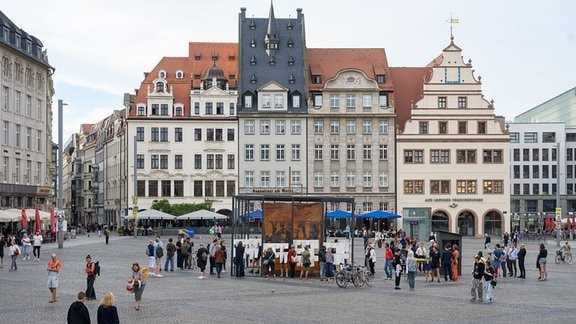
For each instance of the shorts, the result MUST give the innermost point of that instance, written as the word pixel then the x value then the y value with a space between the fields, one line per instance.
pixel 542 261
pixel 52 280
pixel 151 262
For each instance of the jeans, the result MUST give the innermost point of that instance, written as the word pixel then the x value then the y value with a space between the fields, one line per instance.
pixel 388 268
pixel 25 253
pixel 13 265
pixel 322 270
pixel 411 279
pixel 169 260
pixel 219 269
pixel 447 269
pixel 488 288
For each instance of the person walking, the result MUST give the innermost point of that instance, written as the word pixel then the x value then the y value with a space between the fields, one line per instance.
pixel 107 311
pixel 138 275
pixel 53 269
pixel 26 245
pixel 13 253
pixel 477 275
pixel 541 261
pixel 37 239
pixel 107 233
pixel 488 277
pixel 158 254
pixel 90 278
pixel 371 258
pixel 521 259
pixel 239 260
pixel 151 257
pixel 411 269
pixel 78 312
pixel 389 256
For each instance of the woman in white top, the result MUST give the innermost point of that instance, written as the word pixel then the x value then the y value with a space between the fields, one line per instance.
pixel 421 255
pixel 26 247
pixel 13 252
pixel 37 239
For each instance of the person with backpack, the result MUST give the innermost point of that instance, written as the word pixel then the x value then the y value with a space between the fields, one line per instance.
pixel 13 252
pixel 182 254
pixel 90 278
pixel 158 253
pixel 170 251
pixel 202 257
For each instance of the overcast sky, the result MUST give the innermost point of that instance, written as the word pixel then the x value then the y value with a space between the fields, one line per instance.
pixel 524 50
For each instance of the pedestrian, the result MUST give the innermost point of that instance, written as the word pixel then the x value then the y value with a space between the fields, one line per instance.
pixel 2 246
pixel 170 251
pixel 78 312
pixel 219 259
pixel 446 262
pixel 151 257
pixel 322 263
pixel 477 275
pixel 411 269
pixel 26 247
pixel 397 263
pixel 435 255
pixel 187 253
pixel 239 260
pixel 389 256
pixel 211 250
pixel 107 311
pixel 107 233
pixel 13 252
pixel 488 278
pixel 37 239
pixel 306 263
pixel 53 269
pixel 329 265
pixel 371 258
pixel 292 260
pixel 202 259
pixel 90 278
pixel 512 258
pixel 541 262
pixel 284 266
pixel 455 260
pixel 225 250
pixel 269 264
pixel 487 243
pixel 138 279
pixel 180 250
pixel 521 259
pixel 158 254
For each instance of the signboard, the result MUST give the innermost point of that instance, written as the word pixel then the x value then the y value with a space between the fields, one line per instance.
pixel 413 222
pixel 558 214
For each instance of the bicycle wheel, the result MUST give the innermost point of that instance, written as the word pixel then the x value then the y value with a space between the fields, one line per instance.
pixel 358 279
pixel 568 258
pixel 558 259
pixel 341 280
pixel 368 279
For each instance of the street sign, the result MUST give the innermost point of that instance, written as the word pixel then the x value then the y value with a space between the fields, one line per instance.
pixel 413 222
pixel 122 213
pixel 558 214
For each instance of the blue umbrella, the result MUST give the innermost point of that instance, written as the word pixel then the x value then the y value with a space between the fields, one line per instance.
pixel 338 214
pixel 379 214
pixel 253 214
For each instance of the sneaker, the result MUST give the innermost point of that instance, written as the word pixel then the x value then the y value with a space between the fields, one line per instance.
pixel 488 301
pixel 200 277
pixel 159 276
pixel 223 271
pixel 396 287
pixel 152 274
pixel 473 299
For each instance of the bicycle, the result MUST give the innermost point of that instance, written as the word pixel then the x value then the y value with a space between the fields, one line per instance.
pixel 562 257
pixel 366 276
pixel 349 273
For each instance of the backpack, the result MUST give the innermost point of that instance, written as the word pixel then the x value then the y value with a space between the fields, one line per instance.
pixel 97 269
pixel 184 248
pixel 159 252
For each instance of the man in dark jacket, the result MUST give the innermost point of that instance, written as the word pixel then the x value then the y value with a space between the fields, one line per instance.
pixel 521 258
pixel 446 260
pixel 78 312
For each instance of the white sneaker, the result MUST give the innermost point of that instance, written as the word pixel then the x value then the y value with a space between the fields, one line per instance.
pixel 152 274
pixel 223 271
pixel 159 276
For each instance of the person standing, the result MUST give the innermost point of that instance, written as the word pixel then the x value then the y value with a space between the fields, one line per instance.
pixel 91 277
pixel 53 269
pixel 211 250
pixel 389 256
pixel 107 233
pixel 446 262
pixel 541 260
pixel 37 239
pixel 512 257
pixel 397 268
pixel 26 247
pixel 292 260
pixel 488 277
pixel 477 275
pixel 411 269
pixel 107 311
pixel 435 256
pixel 372 258
pixel 78 312
pixel 158 254
pixel 322 263
pixel 521 259
pixel 329 265
pixel 2 246
pixel 455 260
pixel 138 274
pixel 13 252
pixel 219 259
pixel 202 259
pixel 239 259
pixel 151 257
pixel 170 251
pixel 180 251
pixel 305 263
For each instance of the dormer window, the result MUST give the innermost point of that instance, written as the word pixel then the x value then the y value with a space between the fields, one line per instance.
pixel 290 43
pixel 290 26
pixel 292 78
pixel 316 79
pixel 291 60
pixel 179 75
pixel 381 78
pixel 162 74
pixel 253 60
pixel 197 57
pixel 159 86
pixel 252 43
pixel 272 60
pixel 253 79
pixel 252 24
pixel 231 58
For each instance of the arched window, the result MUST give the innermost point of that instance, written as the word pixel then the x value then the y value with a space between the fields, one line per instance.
pixel 493 224
pixel 466 224
pixel 440 222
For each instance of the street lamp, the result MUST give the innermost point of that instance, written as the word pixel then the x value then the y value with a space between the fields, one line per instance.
pixel 60 235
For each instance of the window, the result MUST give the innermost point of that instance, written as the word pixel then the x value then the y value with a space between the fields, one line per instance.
pixel 423 127
pixel 264 127
pixel 318 127
pixel 248 101
pixel 140 191
pixel 535 171
pixel 413 156
pixel 530 137
pixel 28 106
pixel 366 101
pixel 208 108
pixel 334 179
pixel 334 152
pixel 516 172
pixel 17 135
pixel 383 100
pixel 482 127
pixel 383 127
pixel 249 127
pixel 318 152
pixel 28 138
pixel 197 161
pixel 164 134
pixel 280 152
pixel 514 137
pixel 140 161
pixel 140 134
pixel 5 97
pixel 462 127
pixel 549 137
pixel 493 186
pixel 526 171
pixel 163 161
pixel 210 134
pixel 414 187
pixel 231 161
pixel 280 127
pixel 535 189
pixel 179 111
pixel 5 133
pixel 544 154
pixel 441 102
pixel 266 101
pixel 466 186
pixel 317 100
pixel 295 127
pixel 210 161
pixel 230 134
pixel 383 152
pixel 178 188
pixel 155 110
pixel 296 178
pixel 166 188
pixel 249 179
pixel 380 78
pixel 367 127
pixel 535 154
pixel 462 102
pixel 164 109
pixel 440 186
pixel 197 134
pixel 316 79
pixel 334 127
pixel 350 127
pixel 465 156
pixel 351 152
pixel 295 152
pixel 17 96
pixel 39 140
pixel 350 101
pixel 219 162
pixel 367 152
pixel 154 135
pixel 249 152
pixel 516 154
pixel 265 152
pixel 178 134
pixel 318 179
pixel 196 108
pixel 440 156
pixel 525 154
pixel 198 188
pixel 367 179
pixel 232 111
pixel 278 101
pixel 545 172
pixel 265 178
pixel 178 164
pixel 152 188
pixel 334 101
pixel 154 161
pixel 350 178
pixel 383 179
pixel 492 156
pixel 296 101
pixel 219 108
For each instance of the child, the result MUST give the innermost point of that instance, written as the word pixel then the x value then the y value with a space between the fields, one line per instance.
pixel 428 269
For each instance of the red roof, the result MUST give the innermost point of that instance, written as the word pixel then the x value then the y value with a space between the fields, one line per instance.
pixel 408 89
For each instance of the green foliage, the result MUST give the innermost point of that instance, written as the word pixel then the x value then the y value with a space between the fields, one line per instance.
pixel 180 209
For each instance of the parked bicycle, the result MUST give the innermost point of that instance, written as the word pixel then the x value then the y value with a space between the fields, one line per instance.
pixel 357 275
pixel 562 257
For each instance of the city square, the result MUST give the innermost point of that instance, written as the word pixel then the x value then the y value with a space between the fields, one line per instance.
pixel 180 297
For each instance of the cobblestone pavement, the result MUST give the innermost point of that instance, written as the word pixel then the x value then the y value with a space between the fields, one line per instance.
pixel 180 297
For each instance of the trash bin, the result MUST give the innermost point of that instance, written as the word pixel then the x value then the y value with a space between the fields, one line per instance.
pixel 191 231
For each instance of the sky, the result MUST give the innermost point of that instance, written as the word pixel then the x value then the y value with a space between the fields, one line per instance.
pixel 524 50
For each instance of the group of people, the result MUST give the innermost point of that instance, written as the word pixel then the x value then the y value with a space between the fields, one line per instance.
pixel 10 242
pixel 107 312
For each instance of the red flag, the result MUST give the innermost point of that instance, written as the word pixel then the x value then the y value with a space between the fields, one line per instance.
pixel 24 219
pixel 37 221
pixel 52 221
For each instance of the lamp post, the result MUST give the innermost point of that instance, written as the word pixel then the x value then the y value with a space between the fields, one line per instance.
pixel 60 226
pixel 558 208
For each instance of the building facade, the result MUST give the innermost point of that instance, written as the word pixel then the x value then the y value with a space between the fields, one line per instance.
pixel 453 155
pixel 27 177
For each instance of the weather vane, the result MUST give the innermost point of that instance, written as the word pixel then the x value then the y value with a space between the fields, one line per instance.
pixel 452 21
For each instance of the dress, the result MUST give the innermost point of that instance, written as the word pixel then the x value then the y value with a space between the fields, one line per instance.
pixel 455 256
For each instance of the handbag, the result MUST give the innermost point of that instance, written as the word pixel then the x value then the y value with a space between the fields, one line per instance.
pixel 265 262
pixel 306 263
pixel 292 259
pixel 493 282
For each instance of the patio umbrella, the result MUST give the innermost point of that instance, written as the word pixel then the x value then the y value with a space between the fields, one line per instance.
pixel 24 219
pixel 37 221
pixel 52 220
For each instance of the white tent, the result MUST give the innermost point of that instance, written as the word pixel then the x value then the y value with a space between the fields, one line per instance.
pixel 202 214
pixel 10 215
pixel 151 214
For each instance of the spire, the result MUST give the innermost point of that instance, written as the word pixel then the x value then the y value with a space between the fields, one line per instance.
pixel 271 39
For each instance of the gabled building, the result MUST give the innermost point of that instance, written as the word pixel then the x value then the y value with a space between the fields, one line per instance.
pixel 453 151
pixel 351 131
pixel 184 119
pixel 272 104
